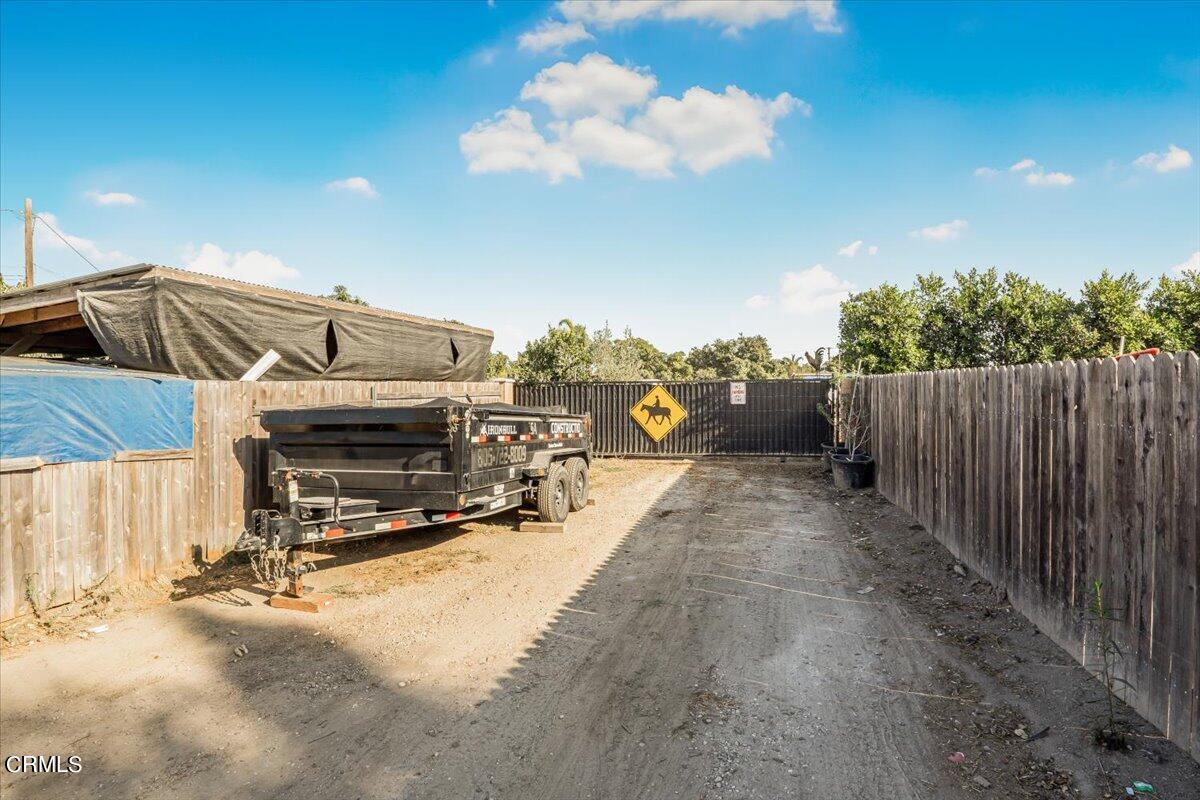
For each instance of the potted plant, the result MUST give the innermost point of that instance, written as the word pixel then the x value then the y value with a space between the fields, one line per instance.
pixel 853 468
pixel 827 409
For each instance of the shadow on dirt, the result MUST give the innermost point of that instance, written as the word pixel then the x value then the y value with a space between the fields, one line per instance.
pixel 232 571
pixel 300 714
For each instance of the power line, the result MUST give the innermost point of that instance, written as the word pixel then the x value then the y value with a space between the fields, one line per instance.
pixel 38 217
pixel 22 268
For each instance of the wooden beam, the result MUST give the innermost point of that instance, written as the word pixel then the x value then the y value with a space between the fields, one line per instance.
pixel 152 455
pixel 22 345
pixel 54 325
pixel 39 314
pixel 24 464
pixel 62 291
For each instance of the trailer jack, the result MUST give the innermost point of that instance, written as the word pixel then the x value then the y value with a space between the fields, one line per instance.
pixel 297 596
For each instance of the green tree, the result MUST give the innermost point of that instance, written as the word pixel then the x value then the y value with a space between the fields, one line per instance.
pixel 880 330
pixel 981 320
pixel 616 359
pixel 657 364
pixel 745 357
pixel 1112 309
pixel 342 294
pixel 563 354
pixel 936 326
pixel 1175 307
pixel 499 366
pixel 790 366
pixel 958 321
pixel 1033 323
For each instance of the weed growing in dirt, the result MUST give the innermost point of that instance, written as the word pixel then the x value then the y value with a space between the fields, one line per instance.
pixel 1108 732
pixel 32 595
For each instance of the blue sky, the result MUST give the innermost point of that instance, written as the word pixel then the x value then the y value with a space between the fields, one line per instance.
pixel 630 186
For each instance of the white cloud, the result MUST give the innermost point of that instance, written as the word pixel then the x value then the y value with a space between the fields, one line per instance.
pixel 735 15
pixel 1192 264
pixel 851 250
pixel 1049 179
pixel 873 250
pixel 757 301
pixel 1175 158
pixel 355 185
pixel 942 232
pixel 43 237
pixel 739 14
pixel 1035 175
pixel 708 130
pixel 485 57
pixel 112 198
pixel 253 266
pixel 813 289
pixel 603 141
pixel 553 35
pixel 590 98
pixel 595 85
pixel 508 142
pixel 609 13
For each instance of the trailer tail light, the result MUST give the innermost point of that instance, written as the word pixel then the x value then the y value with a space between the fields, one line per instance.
pixel 333 533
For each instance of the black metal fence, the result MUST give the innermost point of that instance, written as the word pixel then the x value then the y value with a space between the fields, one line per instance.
pixel 777 417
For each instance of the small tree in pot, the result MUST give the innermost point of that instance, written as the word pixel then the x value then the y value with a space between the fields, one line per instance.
pixel 830 408
pixel 853 467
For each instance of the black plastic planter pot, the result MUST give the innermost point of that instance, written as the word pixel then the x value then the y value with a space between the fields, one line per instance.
pixel 852 472
pixel 829 449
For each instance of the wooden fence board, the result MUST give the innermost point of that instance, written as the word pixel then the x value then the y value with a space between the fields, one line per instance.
pixel 1186 636
pixel 1046 478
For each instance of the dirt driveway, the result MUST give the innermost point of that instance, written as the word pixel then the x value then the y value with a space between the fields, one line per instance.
pixel 711 629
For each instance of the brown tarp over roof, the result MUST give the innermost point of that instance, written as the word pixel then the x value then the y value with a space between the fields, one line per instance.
pixel 166 320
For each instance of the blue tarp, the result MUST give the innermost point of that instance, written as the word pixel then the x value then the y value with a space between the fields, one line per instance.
pixel 70 412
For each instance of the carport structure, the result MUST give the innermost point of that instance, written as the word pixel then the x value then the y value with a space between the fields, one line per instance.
pixel 162 319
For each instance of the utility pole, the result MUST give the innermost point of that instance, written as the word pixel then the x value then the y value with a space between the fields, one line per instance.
pixel 28 242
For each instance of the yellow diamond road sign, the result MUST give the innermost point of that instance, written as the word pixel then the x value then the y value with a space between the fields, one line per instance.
pixel 658 413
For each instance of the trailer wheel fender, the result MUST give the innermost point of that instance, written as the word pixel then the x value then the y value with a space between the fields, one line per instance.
pixel 540 460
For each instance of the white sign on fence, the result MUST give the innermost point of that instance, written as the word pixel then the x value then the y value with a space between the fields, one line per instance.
pixel 737 393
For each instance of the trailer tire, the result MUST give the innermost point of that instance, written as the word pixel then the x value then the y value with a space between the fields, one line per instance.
pixel 554 494
pixel 579 481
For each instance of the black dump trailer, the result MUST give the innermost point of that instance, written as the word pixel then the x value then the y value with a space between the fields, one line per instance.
pixel 352 471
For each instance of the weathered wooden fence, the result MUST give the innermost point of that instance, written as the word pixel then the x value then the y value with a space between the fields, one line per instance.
pixel 65 527
pixel 1046 478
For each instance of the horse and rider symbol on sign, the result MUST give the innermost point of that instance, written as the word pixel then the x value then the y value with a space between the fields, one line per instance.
pixel 658 413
